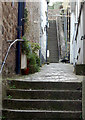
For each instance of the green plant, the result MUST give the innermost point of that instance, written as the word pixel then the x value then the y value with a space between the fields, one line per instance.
pixel 13 87
pixel 32 59
pixel 30 49
pixel 26 46
pixel 34 63
pixel 35 47
pixel 2 117
pixel 25 15
pixel 81 116
pixel 9 97
pixel 37 60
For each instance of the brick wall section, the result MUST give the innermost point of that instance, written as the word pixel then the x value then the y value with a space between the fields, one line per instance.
pixel 33 30
pixel 9 18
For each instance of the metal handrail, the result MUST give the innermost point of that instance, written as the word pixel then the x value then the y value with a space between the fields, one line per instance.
pixel 8 53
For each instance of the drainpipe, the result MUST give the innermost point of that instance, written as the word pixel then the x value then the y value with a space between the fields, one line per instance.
pixel 18 59
pixel 40 54
pixel 47 32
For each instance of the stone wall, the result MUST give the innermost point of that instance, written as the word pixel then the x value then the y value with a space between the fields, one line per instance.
pixel 60 37
pixel 0 34
pixel 33 25
pixel 0 59
pixel 9 31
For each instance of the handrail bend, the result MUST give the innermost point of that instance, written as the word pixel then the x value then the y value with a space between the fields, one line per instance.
pixel 8 53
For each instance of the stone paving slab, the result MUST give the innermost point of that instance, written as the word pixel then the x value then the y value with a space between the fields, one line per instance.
pixel 56 72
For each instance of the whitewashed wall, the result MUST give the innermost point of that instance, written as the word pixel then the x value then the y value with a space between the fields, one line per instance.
pixel 43 28
pixel 84 34
pixel 72 37
pixel 75 56
pixel 79 42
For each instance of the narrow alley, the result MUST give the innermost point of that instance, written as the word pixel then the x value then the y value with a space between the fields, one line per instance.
pixel 42 60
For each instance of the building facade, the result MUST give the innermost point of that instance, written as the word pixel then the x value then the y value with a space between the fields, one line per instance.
pixel 77 45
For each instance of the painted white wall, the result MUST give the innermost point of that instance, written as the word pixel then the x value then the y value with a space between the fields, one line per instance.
pixel 78 44
pixel 72 36
pixel 43 27
pixel 84 34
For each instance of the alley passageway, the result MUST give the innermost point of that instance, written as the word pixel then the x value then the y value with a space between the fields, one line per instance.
pixel 53 93
pixel 43 47
pixel 57 72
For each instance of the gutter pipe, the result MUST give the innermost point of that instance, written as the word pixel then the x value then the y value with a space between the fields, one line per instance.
pixel 18 59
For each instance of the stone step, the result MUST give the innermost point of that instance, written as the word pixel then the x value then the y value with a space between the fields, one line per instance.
pixel 52 43
pixel 54 59
pixel 41 104
pixel 45 94
pixel 52 33
pixel 52 27
pixel 54 49
pixel 52 38
pixel 54 53
pixel 28 84
pixel 41 115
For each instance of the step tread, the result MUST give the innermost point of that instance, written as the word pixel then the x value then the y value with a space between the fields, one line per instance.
pixel 37 81
pixel 27 90
pixel 43 100
pixel 41 111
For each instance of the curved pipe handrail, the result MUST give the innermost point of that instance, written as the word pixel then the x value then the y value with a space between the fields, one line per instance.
pixel 8 53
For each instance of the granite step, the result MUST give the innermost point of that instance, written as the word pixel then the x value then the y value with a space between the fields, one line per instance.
pixel 45 94
pixel 41 115
pixel 42 104
pixel 36 85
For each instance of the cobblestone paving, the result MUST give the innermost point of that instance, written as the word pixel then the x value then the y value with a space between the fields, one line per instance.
pixel 56 72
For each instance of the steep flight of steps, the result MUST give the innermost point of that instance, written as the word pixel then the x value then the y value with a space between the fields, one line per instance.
pixel 34 100
pixel 52 42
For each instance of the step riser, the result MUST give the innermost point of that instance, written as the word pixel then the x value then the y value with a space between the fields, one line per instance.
pixel 41 116
pixel 46 85
pixel 44 95
pixel 43 105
